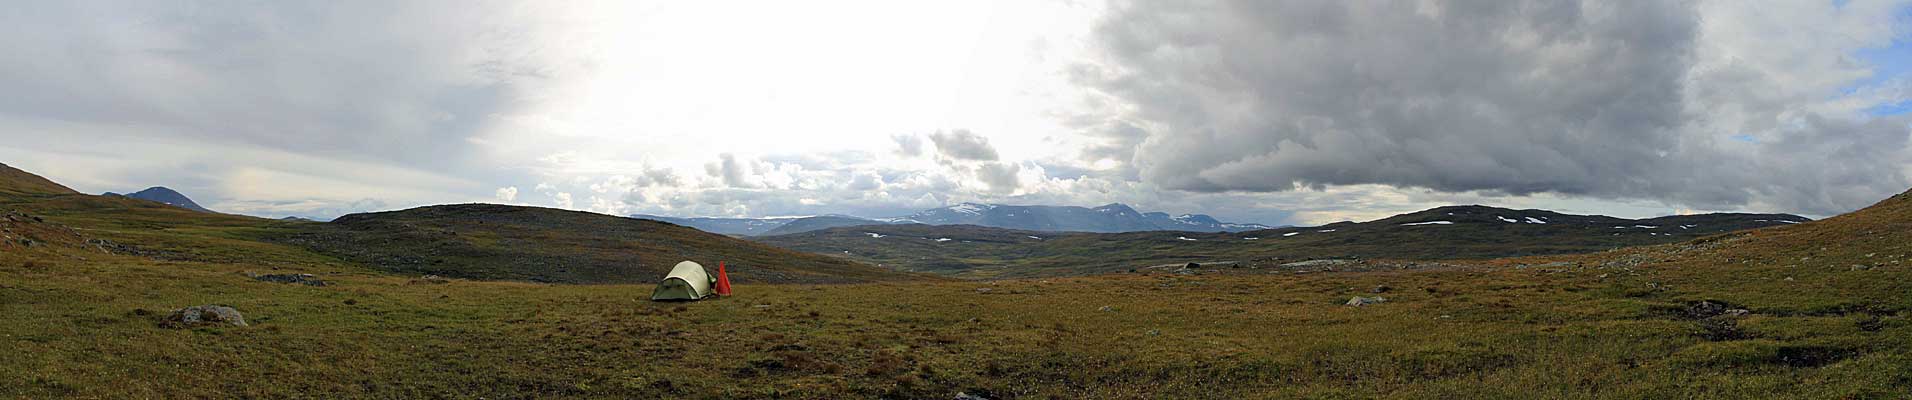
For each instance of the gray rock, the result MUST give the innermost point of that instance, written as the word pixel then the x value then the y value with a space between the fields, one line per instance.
pixel 967 396
pixel 1705 309
pixel 1359 301
pixel 203 315
pixel 303 279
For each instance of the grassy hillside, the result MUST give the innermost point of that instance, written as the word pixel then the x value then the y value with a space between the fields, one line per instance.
pixel 497 242
pixel 15 182
pixel 1458 232
pixel 1824 316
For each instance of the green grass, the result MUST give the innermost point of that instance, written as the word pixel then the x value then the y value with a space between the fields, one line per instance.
pixel 79 331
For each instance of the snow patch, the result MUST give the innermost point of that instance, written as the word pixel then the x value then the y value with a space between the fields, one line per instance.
pixel 1507 220
pixel 874 235
pixel 1184 238
pixel 1429 223
pixel 970 208
pixel 1327 230
pixel 942 239
pixel 1290 234
pixel 1532 220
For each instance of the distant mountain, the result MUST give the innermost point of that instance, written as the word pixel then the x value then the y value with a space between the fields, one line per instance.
pixel 725 226
pixel 1109 218
pixel 165 196
pixel 1454 232
pixel 820 223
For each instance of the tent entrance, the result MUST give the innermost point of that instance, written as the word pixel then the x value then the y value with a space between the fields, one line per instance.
pixel 674 289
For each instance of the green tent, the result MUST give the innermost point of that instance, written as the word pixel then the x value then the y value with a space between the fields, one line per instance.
pixel 687 281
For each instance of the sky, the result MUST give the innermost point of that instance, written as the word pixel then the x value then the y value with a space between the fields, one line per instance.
pixel 1276 112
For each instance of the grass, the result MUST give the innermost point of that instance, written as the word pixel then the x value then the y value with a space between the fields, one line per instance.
pixel 79 330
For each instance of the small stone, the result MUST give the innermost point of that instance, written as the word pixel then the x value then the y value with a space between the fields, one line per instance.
pixel 1861 267
pixel 1106 309
pixel 1155 332
pixel 1380 289
pixel 967 396
pixel 985 290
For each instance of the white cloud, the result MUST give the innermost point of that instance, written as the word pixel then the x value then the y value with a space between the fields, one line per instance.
pixel 508 194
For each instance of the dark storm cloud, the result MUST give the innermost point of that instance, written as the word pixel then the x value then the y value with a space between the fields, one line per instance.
pixel 963 145
pixel 1516 97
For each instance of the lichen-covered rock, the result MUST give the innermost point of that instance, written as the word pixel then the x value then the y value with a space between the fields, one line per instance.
pixel 203 315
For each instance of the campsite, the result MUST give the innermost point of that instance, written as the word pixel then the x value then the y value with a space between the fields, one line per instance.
pixel 956 200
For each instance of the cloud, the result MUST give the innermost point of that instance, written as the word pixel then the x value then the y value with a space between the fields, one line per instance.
pixel 562 199
pixel 908 145
pixel 1001 177
pixel 961 144
pixel 734 174
pixel 508 194
pixel 1597 99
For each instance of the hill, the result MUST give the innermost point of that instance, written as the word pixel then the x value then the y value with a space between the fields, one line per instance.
pixel 486 241
pixel 16 182
pixel 1454 232
pixel 164 196
pixel 822 222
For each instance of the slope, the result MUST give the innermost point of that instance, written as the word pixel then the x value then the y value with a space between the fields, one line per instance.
pixel 14 181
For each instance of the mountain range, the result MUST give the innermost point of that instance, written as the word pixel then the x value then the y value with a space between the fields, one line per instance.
pixel 1110 218
pixel 1441 233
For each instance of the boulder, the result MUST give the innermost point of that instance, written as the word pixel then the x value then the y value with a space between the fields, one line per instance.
pixel 1358 301
pixel 203 315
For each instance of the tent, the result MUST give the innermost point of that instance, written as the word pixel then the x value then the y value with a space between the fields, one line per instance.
pixel 687 281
